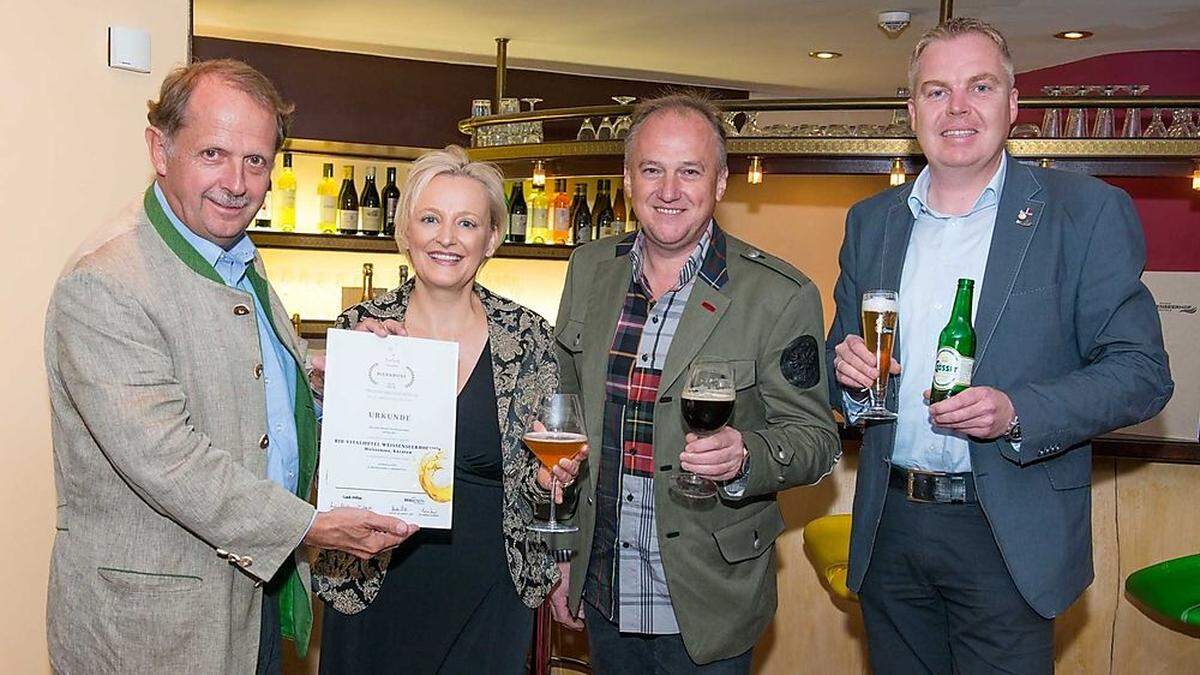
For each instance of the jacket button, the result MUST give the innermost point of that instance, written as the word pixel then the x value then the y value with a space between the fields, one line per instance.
pixel 264 442
pixel 240 310
pixel 258 371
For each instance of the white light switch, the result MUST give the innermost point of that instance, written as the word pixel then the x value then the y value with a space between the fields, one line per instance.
pixel 129 49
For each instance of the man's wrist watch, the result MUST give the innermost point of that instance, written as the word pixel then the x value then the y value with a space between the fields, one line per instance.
pixel 1013 435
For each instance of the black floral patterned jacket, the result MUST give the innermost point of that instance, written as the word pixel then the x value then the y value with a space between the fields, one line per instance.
pixel 525 372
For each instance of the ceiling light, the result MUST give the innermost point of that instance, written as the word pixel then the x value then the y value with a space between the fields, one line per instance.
pixel 1196 176
pixel 824 55
pixel 754 175
pixel 1074 35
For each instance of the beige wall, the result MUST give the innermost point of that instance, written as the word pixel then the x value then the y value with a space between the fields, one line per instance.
pixel 71 153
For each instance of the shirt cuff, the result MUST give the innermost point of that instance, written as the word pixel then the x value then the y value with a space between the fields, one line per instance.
pixel 852 408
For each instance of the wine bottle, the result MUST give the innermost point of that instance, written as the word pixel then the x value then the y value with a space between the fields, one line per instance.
pixel 391 198
pixel 539 216
pixel 347 213
pixel 518 215
pixel 581 222
pixel 327 194
pixel 263 217
pixel 602 212
pixel 619 218
pixel 368 282
pixel 284 199
pixel 560 213
pixel 370 211
pixel 403 275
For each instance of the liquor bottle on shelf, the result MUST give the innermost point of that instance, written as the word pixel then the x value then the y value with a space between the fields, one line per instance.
pixel 631 219
pixel 403 275
pixel 370 211
pixel 347 211
pixel 296 323
pixel 391 197
pixel 560 213
pixel 284 199
pixel 518 214
pixel 368 282
pixel 539 216
pixel 581 222
pixel 619 217
pixel 327 194
pixel 263 217
pixel 602 211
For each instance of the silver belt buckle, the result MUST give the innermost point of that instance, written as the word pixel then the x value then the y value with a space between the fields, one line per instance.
pixel 908 491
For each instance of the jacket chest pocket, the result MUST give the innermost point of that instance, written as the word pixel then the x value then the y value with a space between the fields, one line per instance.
pixel 745 374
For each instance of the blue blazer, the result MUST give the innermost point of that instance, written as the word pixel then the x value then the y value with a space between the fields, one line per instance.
pixel 1064 326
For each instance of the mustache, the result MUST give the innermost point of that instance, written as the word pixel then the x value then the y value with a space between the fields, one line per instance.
pixel 226 198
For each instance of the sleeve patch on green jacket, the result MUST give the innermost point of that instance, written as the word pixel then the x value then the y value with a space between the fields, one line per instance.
pixel 800 362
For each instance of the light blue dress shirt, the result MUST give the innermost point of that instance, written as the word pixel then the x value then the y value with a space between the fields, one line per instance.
pixel 941 250
pixel 279 368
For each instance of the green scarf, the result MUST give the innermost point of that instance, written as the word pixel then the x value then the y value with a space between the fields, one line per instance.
pixel 295 605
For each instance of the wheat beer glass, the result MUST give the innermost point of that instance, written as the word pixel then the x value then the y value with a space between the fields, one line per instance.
pixel 708 397
pixel 880 317
pixel 561 436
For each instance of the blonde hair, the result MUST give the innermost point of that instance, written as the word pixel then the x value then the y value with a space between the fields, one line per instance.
pixel 167 113
pixel 956 27
pixel 681 102
pixel 449 161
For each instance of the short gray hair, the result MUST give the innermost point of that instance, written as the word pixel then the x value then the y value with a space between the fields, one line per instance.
pixel 956 27
pixel 683 102
pixel 449 161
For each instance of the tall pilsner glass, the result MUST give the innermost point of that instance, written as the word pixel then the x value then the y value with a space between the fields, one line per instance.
pixel 880 318
pixel 562 436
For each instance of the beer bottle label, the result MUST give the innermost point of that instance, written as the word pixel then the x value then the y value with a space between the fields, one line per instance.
pixel 952 370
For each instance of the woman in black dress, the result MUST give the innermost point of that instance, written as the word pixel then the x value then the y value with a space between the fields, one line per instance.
pixel 455 601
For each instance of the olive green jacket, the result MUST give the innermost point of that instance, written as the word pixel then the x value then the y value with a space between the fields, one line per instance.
pixel 717 554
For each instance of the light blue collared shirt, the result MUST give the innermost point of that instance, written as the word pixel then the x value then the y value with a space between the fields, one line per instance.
pixel 941 250
pixel 279 368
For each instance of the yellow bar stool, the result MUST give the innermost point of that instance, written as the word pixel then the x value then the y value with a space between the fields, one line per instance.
pixel 827 540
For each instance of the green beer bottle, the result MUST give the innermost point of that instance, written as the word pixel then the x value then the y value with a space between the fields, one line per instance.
pixel 956 347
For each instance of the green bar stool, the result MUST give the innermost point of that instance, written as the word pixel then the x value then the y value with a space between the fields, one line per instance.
pixel 1169 592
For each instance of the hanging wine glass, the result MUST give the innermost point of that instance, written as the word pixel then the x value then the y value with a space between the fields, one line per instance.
pixel 1105 126
pixel 605 131
pixel 1132 128
pixel 1181 123
pixel 587 132
pixel 533 130
pixel 1052 119
pixel 729 120
pixel 1076 117
pixel 621 126
pixel 1156 129
pixel 750 126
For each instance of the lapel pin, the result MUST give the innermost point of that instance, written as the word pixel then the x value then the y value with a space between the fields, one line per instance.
pixel 1023 217
pixel 709 306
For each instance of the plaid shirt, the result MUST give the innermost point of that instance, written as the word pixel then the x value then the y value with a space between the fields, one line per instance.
pixel 625 580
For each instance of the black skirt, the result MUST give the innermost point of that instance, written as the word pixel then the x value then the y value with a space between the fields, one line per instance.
pixel 448 603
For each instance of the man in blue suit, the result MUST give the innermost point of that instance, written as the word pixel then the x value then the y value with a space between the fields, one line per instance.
pixel 972 516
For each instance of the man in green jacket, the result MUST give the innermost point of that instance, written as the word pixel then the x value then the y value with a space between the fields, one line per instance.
pixel 667 581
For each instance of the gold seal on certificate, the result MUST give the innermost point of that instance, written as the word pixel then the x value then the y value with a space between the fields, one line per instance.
pixel 387 430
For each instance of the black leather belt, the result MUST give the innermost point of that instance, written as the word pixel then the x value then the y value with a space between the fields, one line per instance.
pixel 932 487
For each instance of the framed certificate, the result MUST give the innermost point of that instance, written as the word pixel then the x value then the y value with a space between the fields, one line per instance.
pixel 387 433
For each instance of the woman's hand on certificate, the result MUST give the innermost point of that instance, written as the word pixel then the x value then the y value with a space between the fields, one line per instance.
pixel 381 328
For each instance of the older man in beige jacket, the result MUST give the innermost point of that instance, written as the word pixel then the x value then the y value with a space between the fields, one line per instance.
pixel 184 428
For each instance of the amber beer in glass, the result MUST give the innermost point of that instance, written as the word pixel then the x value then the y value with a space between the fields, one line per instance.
pixel 880 318
pixel 558 434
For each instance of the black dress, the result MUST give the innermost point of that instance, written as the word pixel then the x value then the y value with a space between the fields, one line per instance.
pixel 447 603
